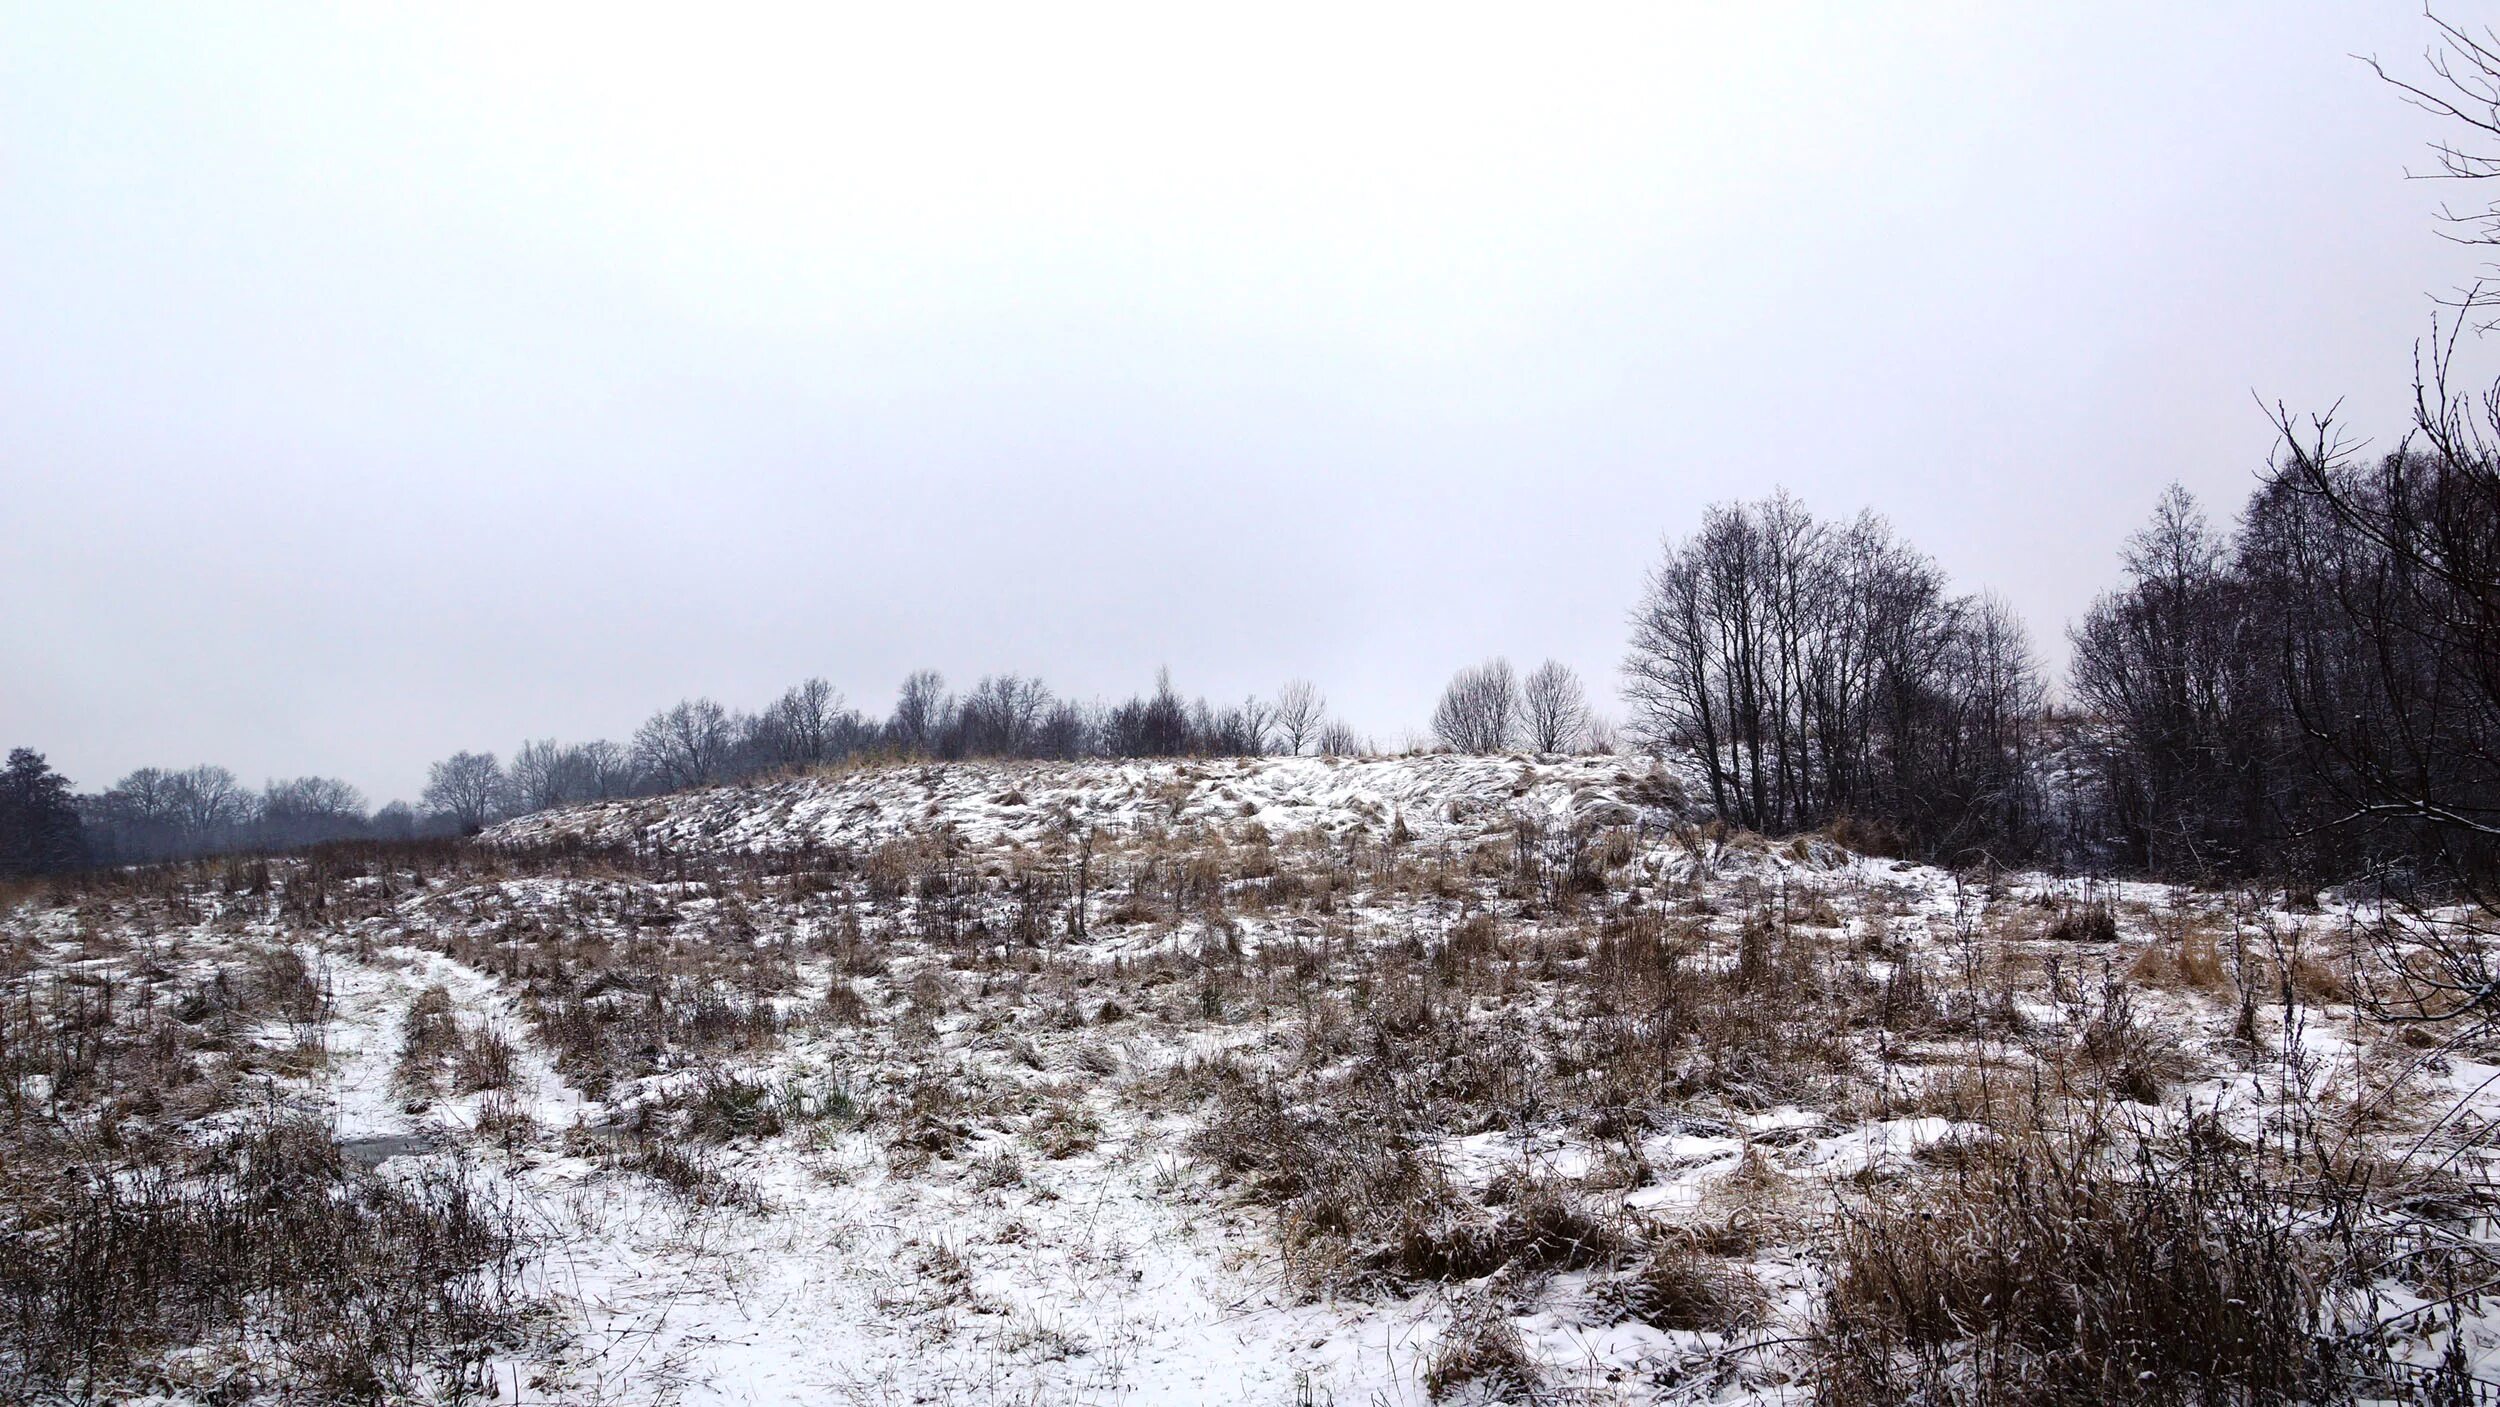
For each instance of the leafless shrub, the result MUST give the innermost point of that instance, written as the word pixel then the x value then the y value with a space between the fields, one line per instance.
pixel 1554 709
pixel 1339 739
pixel 1479 711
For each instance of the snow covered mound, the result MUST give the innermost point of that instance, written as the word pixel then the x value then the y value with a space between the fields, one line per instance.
pixel 999 803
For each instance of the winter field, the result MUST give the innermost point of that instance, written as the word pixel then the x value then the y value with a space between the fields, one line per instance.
pixel 1274 1081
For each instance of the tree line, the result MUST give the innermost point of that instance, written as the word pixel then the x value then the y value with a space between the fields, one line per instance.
pixel 1824 671
pixel 700 742
pixel 2311 695
pixel 2315 693
pixel 159 813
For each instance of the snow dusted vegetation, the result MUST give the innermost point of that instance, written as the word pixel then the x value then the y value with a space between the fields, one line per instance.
pixel 1028 804
pixel 1253 1081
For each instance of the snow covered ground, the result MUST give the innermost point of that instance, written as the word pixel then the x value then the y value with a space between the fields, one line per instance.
pixel 930 1084
pixel 1006 803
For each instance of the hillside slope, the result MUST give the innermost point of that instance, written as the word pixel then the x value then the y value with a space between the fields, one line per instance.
pixel 1387 1080
pixel 1436 796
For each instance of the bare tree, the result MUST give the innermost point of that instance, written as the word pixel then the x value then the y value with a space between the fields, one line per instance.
pixel 541 775
pixel 2381 584
pixel 1001 717
pixel 326 797
pixel 1479 711
pixel 1821 670
pixel 2463 88
pixel 466 788
pixel 2165 663
pixel 1554 709
pixel 308 810
pixel 1602 735
pixel 1339 739
pixel 138 818
pixel 1067 731
pixel 148 795
pixel 1301 713
pixel 208 800
pixel 1247 729
pixel 920 710
pixel 806 723
pixel 685 745
pixel 607 770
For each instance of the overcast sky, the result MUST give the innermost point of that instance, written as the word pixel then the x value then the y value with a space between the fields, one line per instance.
pixel 383 384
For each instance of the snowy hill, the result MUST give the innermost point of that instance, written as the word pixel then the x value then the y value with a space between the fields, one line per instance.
pixel 1014 803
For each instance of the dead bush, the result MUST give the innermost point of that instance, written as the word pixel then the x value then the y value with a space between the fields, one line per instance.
pixel 996 1171
pixel 2129 1058
pixel 1816 910
pixel 1364 1209
pixel 929 1120
pixel 2317 982
pixel 287 984
pixel 890 870
pixel 1864 837
pixel 843 1005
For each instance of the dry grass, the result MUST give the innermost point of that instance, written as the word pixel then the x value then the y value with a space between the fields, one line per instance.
pixel 2192 959
pixel 429 1041
pixel 2090 1265
pixel 1337 1027
pixel 1484 1350
pixel 1678 1284
pixel 2084 923
pixel 349 1287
